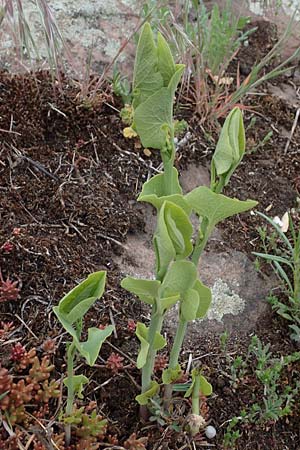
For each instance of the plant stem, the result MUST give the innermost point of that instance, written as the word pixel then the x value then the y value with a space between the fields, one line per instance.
pixel 195 396
pixel 174 358
pixel 147 371
pixel 201 242
pixel 168 163
pixel 70 398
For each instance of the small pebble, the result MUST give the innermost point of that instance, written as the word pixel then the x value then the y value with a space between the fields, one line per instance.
pixel 210 432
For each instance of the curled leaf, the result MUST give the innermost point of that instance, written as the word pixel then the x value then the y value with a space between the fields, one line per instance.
pixel 144 398
pixel 230 148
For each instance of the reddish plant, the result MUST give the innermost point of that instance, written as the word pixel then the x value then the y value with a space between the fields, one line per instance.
pixel 115 362
pixel 5 329
pixel 133 443
pixel 131 326
pixel 49 346
pixel 161 362
pixel 8 290
pixel 7 247
pixel 17 352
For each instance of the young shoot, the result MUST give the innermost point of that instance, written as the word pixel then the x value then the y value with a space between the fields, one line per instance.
pixel 70 312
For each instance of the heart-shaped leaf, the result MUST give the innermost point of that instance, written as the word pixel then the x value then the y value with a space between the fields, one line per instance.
pixel 216 207
pixel 172 239
pixel 90 348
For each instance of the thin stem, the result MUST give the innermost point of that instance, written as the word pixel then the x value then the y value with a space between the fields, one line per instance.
pixel 195 396
pixel 71 395
pixel 168 163
pixel 297 281
pixel 174 358
pixel 147 370
pixel 201 242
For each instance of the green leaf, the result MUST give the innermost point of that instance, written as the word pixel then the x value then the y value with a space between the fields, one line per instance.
pixel 205 298
pixel 230 147
pixel 77 382
pixel 167 302
pixel 146 78
pixel 153 192
pixel 205 386
pixel 179 228
pixel 159 342
pixel 153 119
pixel 144 398
pixel 216 207
pixel 163 245
pixel 180 277
pixel 166 65
pixel 156 186
pixel 175 80
pixel 77 302
pixel 169 375
pixel 90 348
pixel 71 310
pixel 189 305
pixel 142 333
pixel 146 290
pixel 278 259
pixel 172 238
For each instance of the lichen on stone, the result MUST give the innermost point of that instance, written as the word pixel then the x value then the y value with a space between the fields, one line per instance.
pixel 224 301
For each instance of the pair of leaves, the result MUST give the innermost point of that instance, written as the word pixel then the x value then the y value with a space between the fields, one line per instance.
pixel 230 148
pixel 205 388
pixel 155 80
pixel 71 310
pixel 142 332
pixel 180 282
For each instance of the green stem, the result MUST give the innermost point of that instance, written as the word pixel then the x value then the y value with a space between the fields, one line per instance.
pixel 297 282
pixel 201 242
pixel 174 358
pixel 147 371
pixel 71 395
pixel 195 396
pixel 168 163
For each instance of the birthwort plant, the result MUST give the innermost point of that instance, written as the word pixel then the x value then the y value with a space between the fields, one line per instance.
pixel 155 80
pixel 70 312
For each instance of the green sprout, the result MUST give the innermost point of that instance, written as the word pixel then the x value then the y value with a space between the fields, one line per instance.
pixel 70 312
